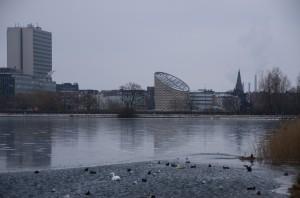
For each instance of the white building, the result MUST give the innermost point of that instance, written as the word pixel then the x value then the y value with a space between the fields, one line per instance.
pixel 29 51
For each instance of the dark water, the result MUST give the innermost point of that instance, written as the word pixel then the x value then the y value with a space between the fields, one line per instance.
pixel 27 143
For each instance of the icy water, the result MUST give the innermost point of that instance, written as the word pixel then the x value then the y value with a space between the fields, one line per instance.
pixel 29 143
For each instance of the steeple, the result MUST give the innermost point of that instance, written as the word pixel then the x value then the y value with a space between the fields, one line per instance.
pixel 239 86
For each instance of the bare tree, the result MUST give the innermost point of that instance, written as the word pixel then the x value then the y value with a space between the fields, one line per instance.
pixel 274 82
pixel 298 83
pixel 130 93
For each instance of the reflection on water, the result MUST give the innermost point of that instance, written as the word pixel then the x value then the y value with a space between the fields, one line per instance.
pixel 27 143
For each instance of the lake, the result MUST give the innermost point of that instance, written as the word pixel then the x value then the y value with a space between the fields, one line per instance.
pixel 28 143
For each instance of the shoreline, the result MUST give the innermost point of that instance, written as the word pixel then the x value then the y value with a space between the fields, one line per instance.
pixel 156 115
pixel 161 181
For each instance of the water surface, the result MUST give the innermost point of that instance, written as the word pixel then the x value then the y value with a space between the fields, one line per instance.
pixel 29 143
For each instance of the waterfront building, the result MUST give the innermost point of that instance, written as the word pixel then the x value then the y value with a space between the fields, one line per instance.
pixel 203 100
pixel 29 51
pixel 29 61
pixel 67 87
pixel 170 93
pixel 150 98
pixel 111 100
pixel 13 82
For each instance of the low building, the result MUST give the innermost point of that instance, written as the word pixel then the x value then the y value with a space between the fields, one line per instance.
pixel 67 87
pixel 203 100
pixel 13 82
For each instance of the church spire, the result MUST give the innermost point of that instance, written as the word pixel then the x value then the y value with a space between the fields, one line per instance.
pixel 239 86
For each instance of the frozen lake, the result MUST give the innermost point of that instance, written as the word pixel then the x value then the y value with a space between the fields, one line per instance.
pixel 32 142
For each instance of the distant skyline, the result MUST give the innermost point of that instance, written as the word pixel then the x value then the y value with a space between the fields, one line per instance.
pixel 102 44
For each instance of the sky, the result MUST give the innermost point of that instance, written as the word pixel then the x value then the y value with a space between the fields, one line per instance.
pixel 102 44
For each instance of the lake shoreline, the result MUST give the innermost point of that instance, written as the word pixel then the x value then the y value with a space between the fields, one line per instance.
pixel 161 181
pixel 150 115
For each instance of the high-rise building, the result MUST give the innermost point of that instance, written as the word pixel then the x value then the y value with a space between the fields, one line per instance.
pixel 29 51
pixel 29 61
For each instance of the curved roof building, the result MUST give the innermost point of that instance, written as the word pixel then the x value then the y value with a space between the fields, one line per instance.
pixel 170 93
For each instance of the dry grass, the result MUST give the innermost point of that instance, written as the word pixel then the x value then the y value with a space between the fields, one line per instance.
pixel 283 146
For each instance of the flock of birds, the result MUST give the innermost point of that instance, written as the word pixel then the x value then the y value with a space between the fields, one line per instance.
pixel 117 178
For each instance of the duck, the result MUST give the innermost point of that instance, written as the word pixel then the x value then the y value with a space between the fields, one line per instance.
pixel 115 177
pixel 249 168
pixel 187 161
pixel 129 170
pixel 226 167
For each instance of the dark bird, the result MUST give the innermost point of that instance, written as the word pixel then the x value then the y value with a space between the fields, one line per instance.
pixel 167 164
pixel 193 166
pixel 249 168
pixel 129 170
pixel 92 172
pixel 251 188
pixel 209 165
pixel 36 172
pixel 173 165
pixel 144 180
pixel 258 193
pixel 286 174
pixel 86 169
pixel 88 193
pixel 187 161
pixel 149 173
pixel 226 167
pixel 152 196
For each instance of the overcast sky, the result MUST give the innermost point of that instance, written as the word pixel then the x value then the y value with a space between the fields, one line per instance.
pixel 102 44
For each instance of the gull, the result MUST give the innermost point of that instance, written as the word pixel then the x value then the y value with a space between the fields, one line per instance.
pixel 115 177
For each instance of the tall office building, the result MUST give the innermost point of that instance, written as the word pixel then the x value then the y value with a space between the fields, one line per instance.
pixel 29 61
pixel 29 51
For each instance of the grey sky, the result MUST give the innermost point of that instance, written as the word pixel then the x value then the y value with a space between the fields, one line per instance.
pixel 102 44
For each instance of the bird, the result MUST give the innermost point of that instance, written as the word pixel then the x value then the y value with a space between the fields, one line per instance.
pixel 167 164
pixel 36 172
pixel 258 193
pixel 92 172
pixel 149 172
pixel 129 170
pixel 193 166
pixel 286 174
pixel 209 165
pixel 173 165
pixel 135 182
pixel 144 180
pixel 88 193
pixel 115 177
pixel 86 169
pixel 249 168
pixel 251 188
pixel 226 167
pixel 187 161
pixel 158 162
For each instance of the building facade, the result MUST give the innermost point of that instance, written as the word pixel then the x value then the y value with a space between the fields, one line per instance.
pixel 13 82
pixel 170 93
pixel 29 61
pixel 29 51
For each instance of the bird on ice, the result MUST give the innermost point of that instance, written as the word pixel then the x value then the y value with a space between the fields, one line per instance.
pixel 115 177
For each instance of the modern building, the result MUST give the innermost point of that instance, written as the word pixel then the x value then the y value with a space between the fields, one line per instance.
pixel 203 100
pixel 67 87
pixel 13 82
pixel 29 51
pixel 29 61
pixel 150 98
pixel 170 93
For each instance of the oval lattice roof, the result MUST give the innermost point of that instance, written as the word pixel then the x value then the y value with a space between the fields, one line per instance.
pixel 171 81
